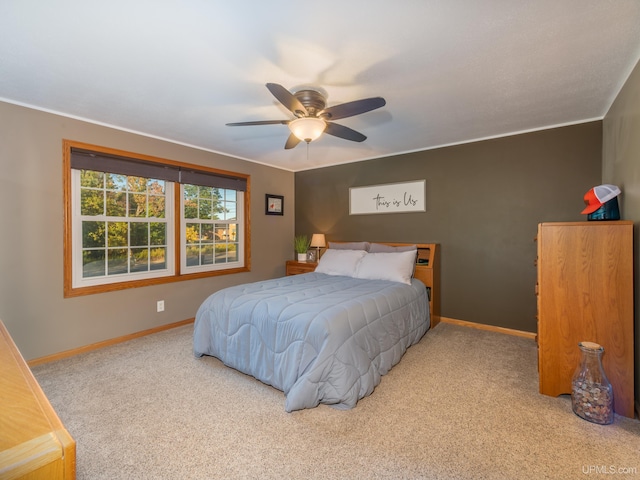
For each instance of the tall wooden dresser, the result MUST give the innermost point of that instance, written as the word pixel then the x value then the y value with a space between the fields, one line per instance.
pixel 585 293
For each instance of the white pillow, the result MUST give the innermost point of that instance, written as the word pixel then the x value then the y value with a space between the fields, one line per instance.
pixel 340 262
pixel 395 266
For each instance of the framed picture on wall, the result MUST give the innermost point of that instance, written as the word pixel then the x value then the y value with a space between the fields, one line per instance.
pixel 388 198
pixel 274 204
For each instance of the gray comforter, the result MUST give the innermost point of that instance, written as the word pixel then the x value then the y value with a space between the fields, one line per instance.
pixel 319 338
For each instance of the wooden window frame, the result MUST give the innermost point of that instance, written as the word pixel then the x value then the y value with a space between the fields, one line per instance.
pixel 177 276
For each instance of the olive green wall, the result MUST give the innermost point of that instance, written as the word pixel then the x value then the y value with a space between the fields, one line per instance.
pixel 483 203
pixel 32 306
pixel 621 166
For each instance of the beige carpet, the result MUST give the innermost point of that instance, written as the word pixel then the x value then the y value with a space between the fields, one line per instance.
pixel 461 404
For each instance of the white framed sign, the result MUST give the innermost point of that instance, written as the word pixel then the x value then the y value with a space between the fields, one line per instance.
pixel 388 198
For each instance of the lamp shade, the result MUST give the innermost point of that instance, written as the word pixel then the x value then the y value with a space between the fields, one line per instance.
pixel 318 240
pixel 307 128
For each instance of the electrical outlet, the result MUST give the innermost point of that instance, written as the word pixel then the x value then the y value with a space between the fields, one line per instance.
pixel 160 305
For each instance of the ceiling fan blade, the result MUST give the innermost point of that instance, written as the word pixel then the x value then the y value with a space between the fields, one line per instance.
pixel 350 109
pixel 344 132
pixel 258 122
pixel 292 141
pixel 286 98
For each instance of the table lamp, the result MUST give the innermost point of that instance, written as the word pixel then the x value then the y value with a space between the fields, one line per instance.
pixel 318 241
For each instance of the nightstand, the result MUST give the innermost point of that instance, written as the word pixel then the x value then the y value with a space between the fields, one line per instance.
pixel 296 268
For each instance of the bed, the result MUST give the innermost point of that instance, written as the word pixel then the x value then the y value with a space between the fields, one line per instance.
pixel 326 336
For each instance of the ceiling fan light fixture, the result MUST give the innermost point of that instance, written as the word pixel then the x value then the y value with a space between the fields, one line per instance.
pixel 307 129
pixel 308 104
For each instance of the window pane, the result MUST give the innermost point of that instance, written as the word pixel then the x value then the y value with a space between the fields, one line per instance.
pixel 158 258
pixel 231 213
pixel 219 210
pixel 230 195
pixel 190 201
pixel 92 202
pixel 139 234
pixel 156 206
pixel 193 232
pixel 116 204
pixel 233 232
pixel 222 232
pixel 137 205
pixel 93 263
pixel 89 178
pixel 117 263
pixel 205 192
pixel 205 209
pixel 206 255
pixel 232 252
pixel 139 261
pixel 93 234
pixel 118 234
pixel 137 184
pixel 206 233
pixel 116 182
pixel 158 233
pixel 193 255
pixel 221 253
pixel 155 187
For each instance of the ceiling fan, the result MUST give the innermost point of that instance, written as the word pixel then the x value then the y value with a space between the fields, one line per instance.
pixel 308 104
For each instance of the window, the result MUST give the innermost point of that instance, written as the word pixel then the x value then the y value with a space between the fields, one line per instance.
pixel 133 220
pixel 120 227
pixel 211 228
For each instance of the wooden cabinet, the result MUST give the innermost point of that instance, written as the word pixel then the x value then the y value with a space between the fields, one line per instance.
pixel 296 268
pixel 33 442
pixel 585 293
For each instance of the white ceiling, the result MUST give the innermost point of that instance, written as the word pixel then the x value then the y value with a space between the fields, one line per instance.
pixel 452 71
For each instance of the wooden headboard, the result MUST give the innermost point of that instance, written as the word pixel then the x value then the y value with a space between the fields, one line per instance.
pixel 428 272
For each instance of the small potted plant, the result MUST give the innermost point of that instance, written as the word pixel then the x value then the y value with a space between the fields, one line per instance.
pixel 301 245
